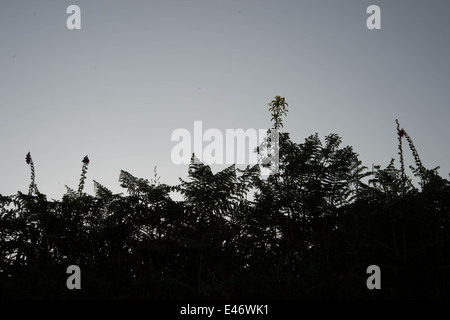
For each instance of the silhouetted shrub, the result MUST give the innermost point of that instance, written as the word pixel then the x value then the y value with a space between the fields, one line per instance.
pixel 310 231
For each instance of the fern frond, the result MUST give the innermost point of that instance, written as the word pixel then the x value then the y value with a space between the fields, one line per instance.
pixel 101 191
pixel 71 193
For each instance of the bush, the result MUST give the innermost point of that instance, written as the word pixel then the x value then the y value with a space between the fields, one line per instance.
pixel 310 232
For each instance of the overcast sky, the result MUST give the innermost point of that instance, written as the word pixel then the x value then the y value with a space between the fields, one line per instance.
pixel 138 70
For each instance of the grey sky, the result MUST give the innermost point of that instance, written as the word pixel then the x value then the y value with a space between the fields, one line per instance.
pixel 137 70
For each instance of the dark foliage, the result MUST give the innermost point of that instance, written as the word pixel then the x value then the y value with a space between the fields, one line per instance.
pixel 309 231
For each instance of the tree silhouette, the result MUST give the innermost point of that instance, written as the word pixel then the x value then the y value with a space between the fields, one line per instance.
pixel 310 231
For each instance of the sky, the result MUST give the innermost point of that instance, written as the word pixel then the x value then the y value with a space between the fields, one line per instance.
pixel 117 88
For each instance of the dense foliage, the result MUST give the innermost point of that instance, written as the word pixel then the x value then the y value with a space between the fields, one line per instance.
pixel 309 231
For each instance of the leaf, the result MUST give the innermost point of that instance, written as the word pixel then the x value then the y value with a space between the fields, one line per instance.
pixel 102 192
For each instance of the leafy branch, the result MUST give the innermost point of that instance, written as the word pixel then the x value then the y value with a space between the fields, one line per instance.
pixel 33 187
